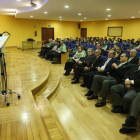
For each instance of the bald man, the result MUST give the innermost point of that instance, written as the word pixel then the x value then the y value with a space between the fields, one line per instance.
pixel 133 57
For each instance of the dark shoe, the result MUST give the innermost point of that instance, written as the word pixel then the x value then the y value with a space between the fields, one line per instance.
pixel 50 60
pixel 74 82
pixel 127 131
pixel 128 126
pixel 65 73
pixel 92 97
pixel 89 93
pixel 130 123
pixel 118 109
pixel 54 62
pixel 100 104
pixel 73 78
pixel 83 85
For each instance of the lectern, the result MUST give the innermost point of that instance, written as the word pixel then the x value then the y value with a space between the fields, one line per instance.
pixel 3 74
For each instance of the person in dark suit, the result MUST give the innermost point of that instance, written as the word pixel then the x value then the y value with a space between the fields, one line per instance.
pixel 118 53
pixel 88 66
pixel 133 58
pixel 115 76
pixel 99 45
pixel 101 70
pixel 131 87
pixel 130 124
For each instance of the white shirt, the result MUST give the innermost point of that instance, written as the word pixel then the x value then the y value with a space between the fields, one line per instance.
pixel 121 64
pixel 55 47
pixel 130 59
pixel 105 64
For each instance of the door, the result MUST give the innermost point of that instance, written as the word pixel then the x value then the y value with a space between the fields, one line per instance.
pixel 47 33
pixel 84 32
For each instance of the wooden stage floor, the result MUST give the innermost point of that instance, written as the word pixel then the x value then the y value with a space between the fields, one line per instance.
pixel 51 108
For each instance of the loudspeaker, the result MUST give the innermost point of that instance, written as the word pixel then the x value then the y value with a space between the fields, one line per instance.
pixel 79 26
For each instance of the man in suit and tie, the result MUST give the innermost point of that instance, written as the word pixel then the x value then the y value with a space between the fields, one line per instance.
pixel 100 70
pixel 115 76
pixel 90 67
pixel 131 87
pixel 133 57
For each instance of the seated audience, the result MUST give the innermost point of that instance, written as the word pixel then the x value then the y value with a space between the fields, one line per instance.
pixel 118 53
pixel 47 48
pixel 131 87
pixel 70 64
pixel 104 45
pixel 83 64
pixel 57 53
pixel 114 77
pixel 73 51
pixel 99 47
pixel 50 53
pixel 100 70
pixel 133 57
pixel 131 121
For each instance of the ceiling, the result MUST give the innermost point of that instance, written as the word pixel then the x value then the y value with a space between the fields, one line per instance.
pixel 93 10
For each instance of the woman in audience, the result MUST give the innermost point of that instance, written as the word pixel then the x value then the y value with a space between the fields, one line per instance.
pixel 137 46
pixel 115 47
pixel 71 61
pixel 131 44
pixel 104 45
pixel 120 40
pixel 74 50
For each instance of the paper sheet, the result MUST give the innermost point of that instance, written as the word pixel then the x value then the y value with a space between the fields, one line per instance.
pixel 3 40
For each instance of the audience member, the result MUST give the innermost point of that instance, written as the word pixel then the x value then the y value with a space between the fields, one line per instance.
pixel 73 60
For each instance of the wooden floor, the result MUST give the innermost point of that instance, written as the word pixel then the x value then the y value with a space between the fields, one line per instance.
pixel 29 118
pixel 81 119
pixel 51 108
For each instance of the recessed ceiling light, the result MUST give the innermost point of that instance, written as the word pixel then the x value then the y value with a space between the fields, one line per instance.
pixel 132 17
pixel 66 6
pixel 109 15
pixel 79 14
pixel 45 12
pixel 18 0
pixel 81 20
pixel 108 9
pixel 106 19
pixel 60 17
pixel 31 16
pixel 85 18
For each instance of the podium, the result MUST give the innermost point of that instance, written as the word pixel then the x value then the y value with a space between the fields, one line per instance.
pixel 3 74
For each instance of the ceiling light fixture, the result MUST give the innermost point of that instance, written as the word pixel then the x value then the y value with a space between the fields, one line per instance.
pixel 109 15
pixel 106 19
pixel 45 12
pixel 60 17
pixel 18 0
pixel 85 18
pixel 79 14
pixel 133 17
pixel 66 6
pixel 81 20
pixel 108 9
pixel 31 16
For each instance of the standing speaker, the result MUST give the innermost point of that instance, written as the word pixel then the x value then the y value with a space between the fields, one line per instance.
pixel 79 26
